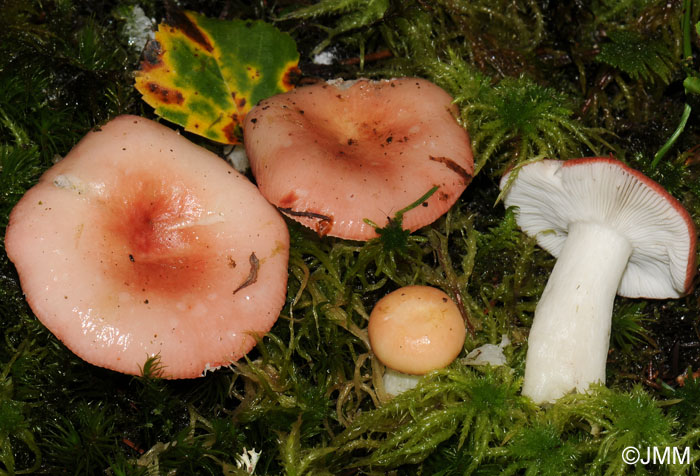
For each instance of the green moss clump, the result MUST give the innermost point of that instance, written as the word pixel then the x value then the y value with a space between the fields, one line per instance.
pixel 530 79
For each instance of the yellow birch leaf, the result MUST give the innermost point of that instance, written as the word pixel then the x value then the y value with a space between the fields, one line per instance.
pixel 205 74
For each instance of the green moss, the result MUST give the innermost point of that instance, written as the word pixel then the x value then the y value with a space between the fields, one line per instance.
pixel 529 81
pixel 542 449
pixel 628 325
pixel 355 14
pixel 637 56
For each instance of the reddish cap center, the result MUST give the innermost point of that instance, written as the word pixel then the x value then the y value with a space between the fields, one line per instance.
pixel 155 238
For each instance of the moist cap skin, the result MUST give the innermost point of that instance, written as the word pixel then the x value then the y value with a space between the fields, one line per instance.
pixel 334 154
pixel 140 243
pixel 416 329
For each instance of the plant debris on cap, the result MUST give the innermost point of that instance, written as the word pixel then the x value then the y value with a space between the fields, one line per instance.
pixel 614 231
pixel 416 329
pixel 141 244
pixel 334 154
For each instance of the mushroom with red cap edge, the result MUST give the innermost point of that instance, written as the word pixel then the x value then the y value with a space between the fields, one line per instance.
pixel 412 331
pixel 333 154
pixel 141 244
pixel 614 231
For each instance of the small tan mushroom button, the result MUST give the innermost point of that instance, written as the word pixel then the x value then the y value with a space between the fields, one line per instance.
pixel 416 329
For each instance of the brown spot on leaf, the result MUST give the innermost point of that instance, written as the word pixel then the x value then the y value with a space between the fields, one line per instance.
pixel 152 56
pixel 178 19
pixel 165 95
pixel 291 77
pixel 232 132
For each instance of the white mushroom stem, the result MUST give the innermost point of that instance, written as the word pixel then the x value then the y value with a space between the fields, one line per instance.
pixel 395 383
pixel 568 342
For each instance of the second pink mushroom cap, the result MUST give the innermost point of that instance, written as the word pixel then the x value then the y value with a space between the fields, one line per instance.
pixel 333 154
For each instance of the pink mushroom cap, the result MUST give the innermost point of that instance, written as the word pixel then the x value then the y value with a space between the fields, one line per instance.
pixel 140 243
pixel 333 154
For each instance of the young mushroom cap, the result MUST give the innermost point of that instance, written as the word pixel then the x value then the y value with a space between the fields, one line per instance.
pixel 416 329
pixel 141 244
pixel 614 231
pixel 333 154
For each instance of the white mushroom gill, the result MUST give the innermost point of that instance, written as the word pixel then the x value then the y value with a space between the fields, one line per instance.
pixel 614 231
pixel 568 343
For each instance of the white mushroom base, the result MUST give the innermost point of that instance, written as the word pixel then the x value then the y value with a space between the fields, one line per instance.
pixel 395 383
pixel 570 335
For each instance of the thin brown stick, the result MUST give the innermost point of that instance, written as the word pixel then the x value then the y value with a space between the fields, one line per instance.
pixel 253 276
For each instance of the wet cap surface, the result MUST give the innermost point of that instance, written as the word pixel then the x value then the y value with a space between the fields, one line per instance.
pixel 331 155
pixel 140 243
pixel 416 329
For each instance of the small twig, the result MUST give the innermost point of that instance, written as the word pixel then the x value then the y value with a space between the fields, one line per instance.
pixel 133 446
pixel 253 276
pixel 323 226
pixel 379 55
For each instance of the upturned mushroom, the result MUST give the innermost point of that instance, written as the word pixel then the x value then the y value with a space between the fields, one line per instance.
pixel 334 154
pixel 412 331
pixel 614 231
pixel 141 244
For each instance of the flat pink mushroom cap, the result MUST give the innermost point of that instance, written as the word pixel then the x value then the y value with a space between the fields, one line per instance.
pixel 332 154
pixel 139 243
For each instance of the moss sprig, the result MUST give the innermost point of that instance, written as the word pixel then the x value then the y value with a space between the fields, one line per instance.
pixel 14 428
pixel 639 57
pixel 510 121
pixel 627 329
pixel 618 420
pixel 542 449
pixel 455 401
pixel 354 15
pixel 82 440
